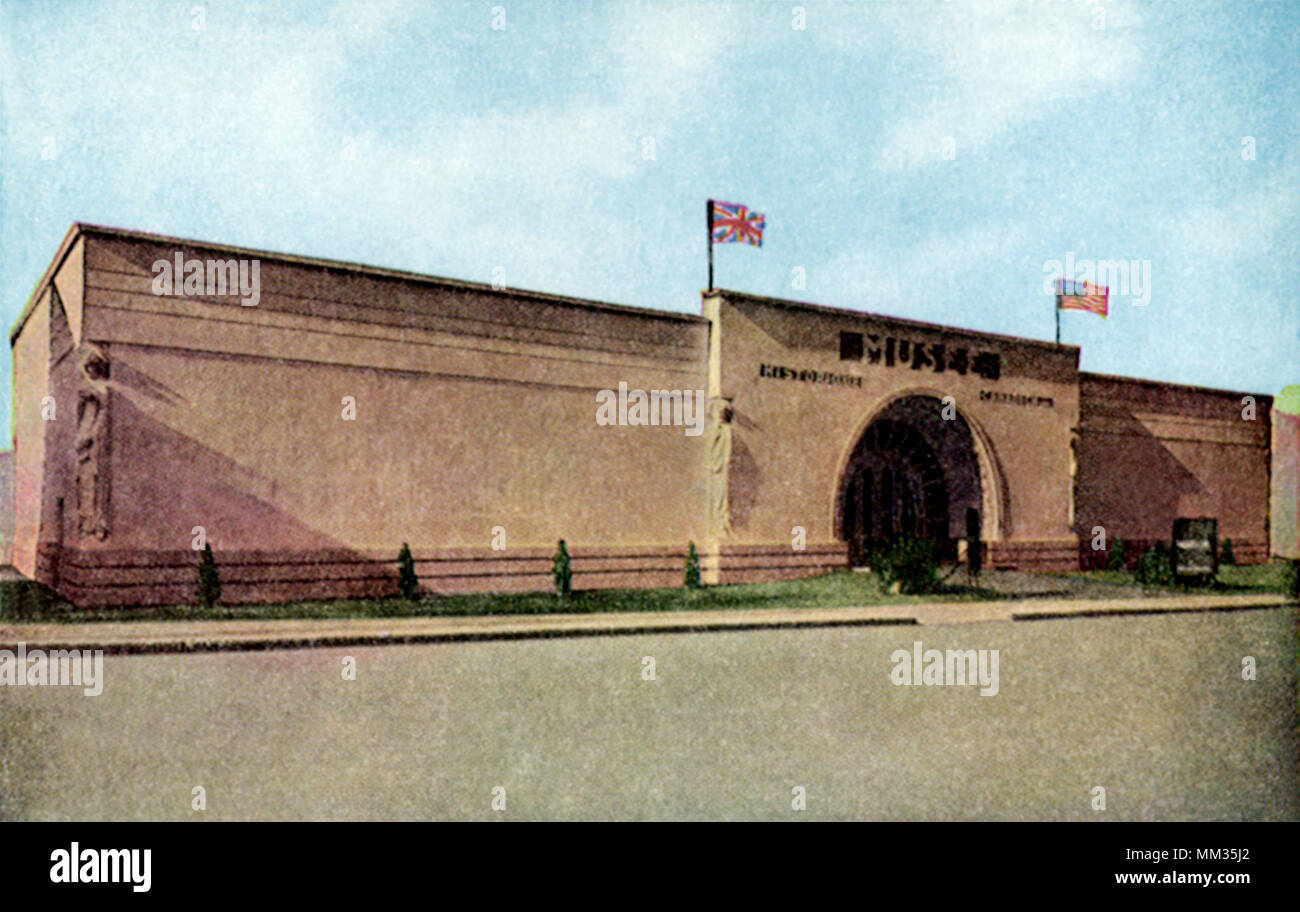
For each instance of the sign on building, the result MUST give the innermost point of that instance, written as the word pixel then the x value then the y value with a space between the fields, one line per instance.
pixel 1196 550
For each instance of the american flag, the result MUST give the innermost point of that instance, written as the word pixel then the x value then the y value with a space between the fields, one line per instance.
pixel 1075 295
pixel 733 224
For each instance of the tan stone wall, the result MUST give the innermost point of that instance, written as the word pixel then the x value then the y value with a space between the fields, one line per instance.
pixel 6 507
pixel 31 353
pixel 792 439
pixel 1284 512
pixel 1151 453
pixel 44 367
pixel 257 452
pixel 474 409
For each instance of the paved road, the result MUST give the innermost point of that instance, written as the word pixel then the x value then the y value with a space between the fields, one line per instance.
pixel 188 636
pixel 1151 708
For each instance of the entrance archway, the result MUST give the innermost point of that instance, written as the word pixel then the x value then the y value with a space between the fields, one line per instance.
pixel 912 474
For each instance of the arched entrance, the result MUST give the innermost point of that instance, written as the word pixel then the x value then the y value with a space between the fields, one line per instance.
pixel 914 473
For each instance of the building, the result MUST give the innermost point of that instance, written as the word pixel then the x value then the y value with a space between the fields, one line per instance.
pixel 310 422
pixel 6 508
pixel 1284 511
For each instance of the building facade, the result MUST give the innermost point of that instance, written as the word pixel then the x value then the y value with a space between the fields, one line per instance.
pixel 1284 510
pixel 7 508
pixel 309 427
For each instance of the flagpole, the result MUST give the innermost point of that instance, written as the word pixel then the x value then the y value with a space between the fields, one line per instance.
pixel 1057 304
pixel 709 235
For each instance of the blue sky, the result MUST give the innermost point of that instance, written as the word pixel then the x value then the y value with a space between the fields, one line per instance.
pixel 920 159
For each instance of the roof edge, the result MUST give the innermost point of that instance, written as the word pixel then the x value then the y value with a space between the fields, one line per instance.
pixel 80 229
pixel 1189 387
pixel 919 324
pixel 65 247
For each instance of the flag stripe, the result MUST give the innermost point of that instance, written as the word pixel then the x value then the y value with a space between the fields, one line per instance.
pixel 1075 295
pixel 736 224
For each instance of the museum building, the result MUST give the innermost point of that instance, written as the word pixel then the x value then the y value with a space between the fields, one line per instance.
pixel 309 426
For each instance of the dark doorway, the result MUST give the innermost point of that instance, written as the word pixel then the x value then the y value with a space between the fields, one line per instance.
pixel 913 474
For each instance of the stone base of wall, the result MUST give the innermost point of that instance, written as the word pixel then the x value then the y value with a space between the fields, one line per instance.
pixel 761 563
pixel 1054 555
pixel 764 563
pixel 122 578
pixel 1247 552
pixel 108 578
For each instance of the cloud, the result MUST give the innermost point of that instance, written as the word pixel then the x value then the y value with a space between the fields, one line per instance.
pixel 248 110
pixel 987 67
pixel 660 56
pixel 1246 227
pixel 911 280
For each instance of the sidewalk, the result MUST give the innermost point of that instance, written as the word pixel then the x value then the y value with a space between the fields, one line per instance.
pixel 204 636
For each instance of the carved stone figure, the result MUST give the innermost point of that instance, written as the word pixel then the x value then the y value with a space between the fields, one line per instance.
pixel 1074 470
pixel 719 460
pixel 92 442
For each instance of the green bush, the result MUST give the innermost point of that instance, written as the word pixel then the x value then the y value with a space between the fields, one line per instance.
pixel 1154 568
pixel 408 584
pixel 1291 578
pixel 911 565
pixel 209 578
pixel 562 570
pixel 692 568
pixel 1115 559
pixel 1226 556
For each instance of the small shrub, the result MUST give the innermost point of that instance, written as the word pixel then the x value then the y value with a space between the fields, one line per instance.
pixel 408 584
pixel 911 564
pixel 1291 578
pixel 1226 556
pixel 692 568
pixel 1115 559
pixel 562 570
pixel 1153 567
pixel 209 578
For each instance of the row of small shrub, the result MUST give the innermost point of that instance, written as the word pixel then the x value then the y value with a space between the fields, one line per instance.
pixel 909 566
pixel 1155 566
pixel 562 569
pixel 1116 560
pixel 408 583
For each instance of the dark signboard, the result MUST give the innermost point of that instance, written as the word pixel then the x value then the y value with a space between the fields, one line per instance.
pixel 892 351
pixel 1196 549
pixel 1017 399
pixel 936 357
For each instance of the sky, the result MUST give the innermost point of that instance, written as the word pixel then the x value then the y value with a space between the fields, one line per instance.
pixel 937 160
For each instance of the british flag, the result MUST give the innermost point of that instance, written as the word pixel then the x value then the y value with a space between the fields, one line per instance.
pixel 1075 295
pixel 733 223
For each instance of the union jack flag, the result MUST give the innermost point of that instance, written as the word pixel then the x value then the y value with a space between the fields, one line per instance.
pixel 1075 295
pixel 732 223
